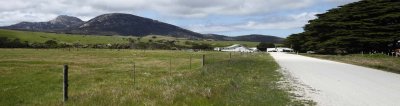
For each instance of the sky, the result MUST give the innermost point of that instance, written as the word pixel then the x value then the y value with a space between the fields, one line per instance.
pixel 226 17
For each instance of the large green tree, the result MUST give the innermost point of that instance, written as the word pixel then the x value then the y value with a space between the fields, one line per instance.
pixel 367 25
pixel 262 46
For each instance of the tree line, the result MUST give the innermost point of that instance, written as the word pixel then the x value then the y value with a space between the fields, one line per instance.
pixel 363 26
pixel 132 44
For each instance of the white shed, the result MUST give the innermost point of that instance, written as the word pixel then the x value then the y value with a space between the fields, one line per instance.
pixel 272 50
pixel 254 49
pixel 234 48
pixel 279 49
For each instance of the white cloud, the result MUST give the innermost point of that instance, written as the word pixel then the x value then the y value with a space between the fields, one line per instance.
pixel 340 2
pixel 47 9
pixel 289 22
pixel 7 18
pixel 202 28
pixel 185 8
pixel 43 10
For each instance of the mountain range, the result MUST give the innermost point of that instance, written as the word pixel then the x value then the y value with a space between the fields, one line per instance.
pixel 61 23
pixel 127 25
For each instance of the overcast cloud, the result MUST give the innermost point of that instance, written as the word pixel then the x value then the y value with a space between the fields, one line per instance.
pixel 256 14
pixel 289 22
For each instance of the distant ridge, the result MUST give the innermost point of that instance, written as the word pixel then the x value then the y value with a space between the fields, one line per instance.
pixel 252 38
pixel 107 24
pixel 60 23
pixel 127 25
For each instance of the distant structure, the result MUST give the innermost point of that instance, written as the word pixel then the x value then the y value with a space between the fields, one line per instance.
pixel 235 48
pixel 254 49
pixel 280 49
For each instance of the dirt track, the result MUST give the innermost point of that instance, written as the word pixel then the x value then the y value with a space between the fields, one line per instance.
pixel 332 83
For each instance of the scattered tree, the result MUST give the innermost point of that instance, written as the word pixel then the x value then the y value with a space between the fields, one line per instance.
pixel 203 46
pixel 264 45
pixel 51 44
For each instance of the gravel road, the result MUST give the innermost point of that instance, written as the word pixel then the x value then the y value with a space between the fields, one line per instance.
pixel 332 83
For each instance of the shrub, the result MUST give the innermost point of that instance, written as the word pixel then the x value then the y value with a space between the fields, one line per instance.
pixel 264 45
pixel 51 44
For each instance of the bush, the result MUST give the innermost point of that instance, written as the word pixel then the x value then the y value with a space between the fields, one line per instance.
pixel 202 46
pixel 264 45
pixel 15 43
pixel 51 44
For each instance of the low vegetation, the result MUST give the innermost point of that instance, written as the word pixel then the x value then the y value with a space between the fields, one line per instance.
pixel 105 77
pixel 378 61
pixel 27 39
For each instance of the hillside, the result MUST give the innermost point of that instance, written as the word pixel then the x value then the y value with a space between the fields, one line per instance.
pixel 60 23
pixel 367 25
pixel 107 24
pixel 251 38
pixel 217 37
pixel 259 38
pixel 127 24
pixel 41 37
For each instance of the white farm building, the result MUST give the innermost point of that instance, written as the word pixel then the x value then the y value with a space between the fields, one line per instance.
pixel 279 49
pixel 234 48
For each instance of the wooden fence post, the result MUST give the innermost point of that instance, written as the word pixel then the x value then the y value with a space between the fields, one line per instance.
pixel 134 74
pixel 203 63
pixel 65 83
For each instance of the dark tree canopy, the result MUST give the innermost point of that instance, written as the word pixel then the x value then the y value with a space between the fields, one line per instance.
pixel 203 46
pixel 264 45
pixel 367 25
pixel 51 43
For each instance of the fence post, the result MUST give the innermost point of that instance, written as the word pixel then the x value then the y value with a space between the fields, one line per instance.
pixel 134 74
pixel 65 83
pixel 203 63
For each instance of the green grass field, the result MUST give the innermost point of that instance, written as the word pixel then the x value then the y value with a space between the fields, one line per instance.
pixel 105 77
pixel 378 61
pixel 41 37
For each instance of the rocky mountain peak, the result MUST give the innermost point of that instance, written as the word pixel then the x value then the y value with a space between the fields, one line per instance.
pixel 108 24
pixel 66 20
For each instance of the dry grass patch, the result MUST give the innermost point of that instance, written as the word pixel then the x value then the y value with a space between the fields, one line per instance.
pixel 378 61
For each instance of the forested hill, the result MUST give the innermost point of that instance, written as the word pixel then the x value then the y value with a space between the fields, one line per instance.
pixel 367 25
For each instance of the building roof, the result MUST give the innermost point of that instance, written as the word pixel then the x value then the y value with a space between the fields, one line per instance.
pixel 235 45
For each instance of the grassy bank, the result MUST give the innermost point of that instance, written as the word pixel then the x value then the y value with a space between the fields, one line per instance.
pixel 378 61
pixel 105 77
